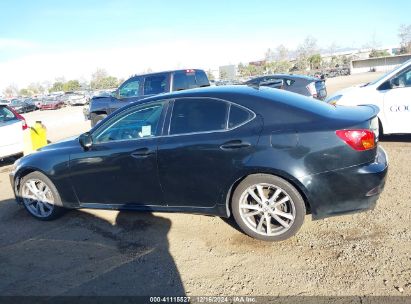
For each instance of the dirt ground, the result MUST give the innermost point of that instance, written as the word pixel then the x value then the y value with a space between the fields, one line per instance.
pixel 125 253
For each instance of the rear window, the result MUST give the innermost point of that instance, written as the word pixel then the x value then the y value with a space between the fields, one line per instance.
pixel 238 116
pixel 202 79
pixel 6 114
pixel 155 84
pixel 184 80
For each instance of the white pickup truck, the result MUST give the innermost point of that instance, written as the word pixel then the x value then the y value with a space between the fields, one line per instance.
pixel 12 126
pixel 391 93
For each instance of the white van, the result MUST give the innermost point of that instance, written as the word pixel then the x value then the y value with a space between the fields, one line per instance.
pixel 391 93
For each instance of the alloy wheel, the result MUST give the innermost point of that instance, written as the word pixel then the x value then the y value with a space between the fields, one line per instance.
pixel 38 198
pixel 267 209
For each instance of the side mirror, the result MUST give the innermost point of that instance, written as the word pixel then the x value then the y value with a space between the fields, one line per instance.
pixel 395 82
pixel 85 140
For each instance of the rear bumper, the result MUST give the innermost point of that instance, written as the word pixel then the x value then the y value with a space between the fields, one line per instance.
pixel 347 190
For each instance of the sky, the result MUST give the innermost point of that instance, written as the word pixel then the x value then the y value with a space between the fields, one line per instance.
pixel 43 40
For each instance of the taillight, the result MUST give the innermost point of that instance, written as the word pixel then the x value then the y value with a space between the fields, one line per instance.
pixel 311 88
pixel 360 140
pixel 20 117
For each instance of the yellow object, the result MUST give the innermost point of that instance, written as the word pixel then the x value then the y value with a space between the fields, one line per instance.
pixel 38 135
pixel 28 146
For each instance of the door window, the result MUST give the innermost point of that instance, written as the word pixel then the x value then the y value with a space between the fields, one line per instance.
pixel 130 89
pixel 404 79
pixel 6 114
pixel 138 123
pixel 155 84
pixel 198 115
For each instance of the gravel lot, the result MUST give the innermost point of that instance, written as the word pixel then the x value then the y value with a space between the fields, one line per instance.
pixel 124 253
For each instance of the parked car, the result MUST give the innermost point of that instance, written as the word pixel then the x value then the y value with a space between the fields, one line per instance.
pixel 5 101
pixel 142 86
pixel 37 102
pixel 301 84
pixel 391 93
pixel 20 106
pixel 51 103
pixel 267 157
pixel 76 99
pixel 12 126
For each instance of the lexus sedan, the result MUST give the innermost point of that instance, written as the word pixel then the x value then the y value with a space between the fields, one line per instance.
pixel 264 156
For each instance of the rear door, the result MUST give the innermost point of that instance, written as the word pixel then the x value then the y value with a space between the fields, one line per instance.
pixel 11 133
pixel 207 143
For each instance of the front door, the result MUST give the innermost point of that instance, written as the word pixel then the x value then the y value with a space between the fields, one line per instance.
pixel 121 166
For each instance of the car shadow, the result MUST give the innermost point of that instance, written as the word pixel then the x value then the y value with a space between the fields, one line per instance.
pixel 86 253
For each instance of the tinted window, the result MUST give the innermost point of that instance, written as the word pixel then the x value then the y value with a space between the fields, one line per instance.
pixel 404 79
pixel 6 114
pixel 130 89
pixel 202 79
pixel 198 115
pixel 155 84
pixel 238 116
pixel 184 80
pixel 139 123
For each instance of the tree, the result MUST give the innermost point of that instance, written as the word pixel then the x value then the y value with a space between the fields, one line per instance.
pixel 11 90
pixel 378 53
pixel 304 51
pixel 282 53
pixel 101 80
pixel 210 75
pixel 404 33
pixel 315 61
pixel 24 92
pixel 269 55
pixel 57 87
pixel 71 85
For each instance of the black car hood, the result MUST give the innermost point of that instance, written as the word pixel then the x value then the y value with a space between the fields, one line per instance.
pixel 70 142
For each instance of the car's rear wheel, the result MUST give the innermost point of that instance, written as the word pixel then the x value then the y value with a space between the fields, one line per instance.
pixel 268 208
pixel 95 118
pixel 40 197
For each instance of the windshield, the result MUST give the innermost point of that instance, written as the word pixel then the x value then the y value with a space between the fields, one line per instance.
pixel 402 66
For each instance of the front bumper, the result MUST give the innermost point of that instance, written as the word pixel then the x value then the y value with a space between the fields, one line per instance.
pixel 347 190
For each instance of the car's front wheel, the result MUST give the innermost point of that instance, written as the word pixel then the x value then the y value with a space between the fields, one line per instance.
pixel 268 208
pixel 40 197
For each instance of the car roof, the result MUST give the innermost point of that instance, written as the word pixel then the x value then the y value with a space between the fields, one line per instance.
pixel 164 72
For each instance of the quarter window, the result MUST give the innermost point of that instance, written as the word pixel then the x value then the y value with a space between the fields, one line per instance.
pixel 140 123
pixel 155 84
pixel 198 115
pixel 238 116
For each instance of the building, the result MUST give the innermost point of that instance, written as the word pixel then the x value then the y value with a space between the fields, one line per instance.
pixel 228 71
pixel 378 64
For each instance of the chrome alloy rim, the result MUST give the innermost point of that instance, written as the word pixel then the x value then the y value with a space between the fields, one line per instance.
pixel 37 198
pixel 267 209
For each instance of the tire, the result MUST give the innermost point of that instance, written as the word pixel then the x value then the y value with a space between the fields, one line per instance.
pixel 36 205
pixel 95 118
pixel 285 218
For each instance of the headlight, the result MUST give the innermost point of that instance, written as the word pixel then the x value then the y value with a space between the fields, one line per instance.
pixel 333 100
